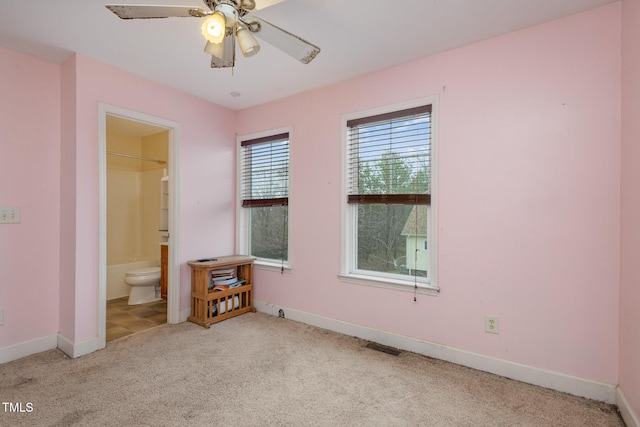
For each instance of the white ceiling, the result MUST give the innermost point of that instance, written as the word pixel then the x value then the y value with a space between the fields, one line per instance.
pixel 356 37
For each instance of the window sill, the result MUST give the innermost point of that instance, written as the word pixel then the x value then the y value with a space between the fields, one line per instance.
pixel 262 264
pixel 397 285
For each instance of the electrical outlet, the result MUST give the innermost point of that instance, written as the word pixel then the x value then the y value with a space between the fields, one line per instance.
pixel 491 324
pixel 9 215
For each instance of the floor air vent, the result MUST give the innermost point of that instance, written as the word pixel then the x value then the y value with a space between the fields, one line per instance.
pixel 383 348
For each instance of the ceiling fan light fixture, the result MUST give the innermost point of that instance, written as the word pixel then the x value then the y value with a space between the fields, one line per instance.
pixel 248 44
pixel 214 27
pixel 215 49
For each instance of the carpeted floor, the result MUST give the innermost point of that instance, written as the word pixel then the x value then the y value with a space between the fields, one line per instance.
pixel 259 370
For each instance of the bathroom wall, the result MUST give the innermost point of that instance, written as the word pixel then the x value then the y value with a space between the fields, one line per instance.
pixel 133 202
pixel 122 198
pixel 154 147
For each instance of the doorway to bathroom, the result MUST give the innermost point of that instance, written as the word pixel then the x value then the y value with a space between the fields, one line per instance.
pixel 138 223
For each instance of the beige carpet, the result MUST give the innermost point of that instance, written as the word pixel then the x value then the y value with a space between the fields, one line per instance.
pixel 259 370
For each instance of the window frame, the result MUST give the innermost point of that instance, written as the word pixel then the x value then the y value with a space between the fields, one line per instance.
pixel 348 272
pixel 243 227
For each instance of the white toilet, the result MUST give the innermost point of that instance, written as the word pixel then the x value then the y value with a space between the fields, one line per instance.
pixel 145 285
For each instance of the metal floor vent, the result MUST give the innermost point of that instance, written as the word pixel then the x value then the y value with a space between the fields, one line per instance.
pixel 383 348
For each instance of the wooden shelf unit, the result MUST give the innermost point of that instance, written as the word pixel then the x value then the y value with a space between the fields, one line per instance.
pixel 209 306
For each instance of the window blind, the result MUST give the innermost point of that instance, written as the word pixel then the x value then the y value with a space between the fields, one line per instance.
pixel 389 158
pixel 265 171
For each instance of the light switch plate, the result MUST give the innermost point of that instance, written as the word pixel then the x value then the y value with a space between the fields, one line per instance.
pixel 9 215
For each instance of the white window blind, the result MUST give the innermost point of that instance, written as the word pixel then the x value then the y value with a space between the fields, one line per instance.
pixel 389 158
pixel 265 171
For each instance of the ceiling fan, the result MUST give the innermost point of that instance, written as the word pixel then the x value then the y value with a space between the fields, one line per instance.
pixel 225 21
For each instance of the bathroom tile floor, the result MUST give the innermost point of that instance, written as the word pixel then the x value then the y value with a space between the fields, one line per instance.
pixel 124 319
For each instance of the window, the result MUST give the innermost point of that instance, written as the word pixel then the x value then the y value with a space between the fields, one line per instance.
pixel 264 195
pixel 389 170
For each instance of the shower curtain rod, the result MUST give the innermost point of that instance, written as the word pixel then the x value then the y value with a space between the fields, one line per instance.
pixel 160 162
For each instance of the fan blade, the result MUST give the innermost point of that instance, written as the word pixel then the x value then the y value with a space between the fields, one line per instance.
pixel 261 4
pixel 289 43
pixel 223 55
pixel 129 11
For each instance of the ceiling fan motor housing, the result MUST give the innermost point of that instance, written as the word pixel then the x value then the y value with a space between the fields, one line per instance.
pixel 242 6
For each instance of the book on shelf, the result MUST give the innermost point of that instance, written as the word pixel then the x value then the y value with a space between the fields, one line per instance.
pixel 225 281
pixel 229 285
pixel 221 274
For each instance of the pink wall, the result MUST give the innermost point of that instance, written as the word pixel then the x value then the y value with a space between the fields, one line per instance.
pixel 49 168
pixel 29 179
pixel 630 275
pixel 529 198
pixel 529 157
pixel 207 189
pixel 67 250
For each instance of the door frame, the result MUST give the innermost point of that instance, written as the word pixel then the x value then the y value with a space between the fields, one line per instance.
pixel 173 276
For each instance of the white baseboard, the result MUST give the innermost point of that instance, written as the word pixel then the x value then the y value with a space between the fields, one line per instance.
pixel 540 377
pixel 184 314
pixel 630 418
pixel 74 350
pixel 28 348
